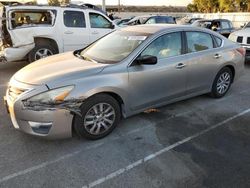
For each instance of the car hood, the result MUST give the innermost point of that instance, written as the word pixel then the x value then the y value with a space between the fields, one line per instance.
pixel 56 69
pixel 242 32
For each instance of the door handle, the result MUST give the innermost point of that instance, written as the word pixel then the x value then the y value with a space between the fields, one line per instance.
pixel 180 66
pixel 217 56
pixel 68 32
pixel 95 32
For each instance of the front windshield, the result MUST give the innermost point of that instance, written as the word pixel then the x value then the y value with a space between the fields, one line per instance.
pixel 114 47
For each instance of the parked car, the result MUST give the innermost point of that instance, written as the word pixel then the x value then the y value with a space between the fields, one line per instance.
pixel 243 38
pixel 151 19
pixel 121 22
pixel 222 26
pixel 124 73
pixel 35 32
pixel 189 21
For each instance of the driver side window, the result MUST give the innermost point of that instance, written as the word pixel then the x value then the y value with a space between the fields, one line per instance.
pixel 98 21
pixel 168 45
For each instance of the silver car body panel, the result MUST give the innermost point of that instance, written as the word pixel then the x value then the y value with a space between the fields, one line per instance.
pixel 139 87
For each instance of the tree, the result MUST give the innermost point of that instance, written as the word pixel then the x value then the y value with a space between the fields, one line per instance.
pixel 54 2
pixel 227 5
pixel 192 7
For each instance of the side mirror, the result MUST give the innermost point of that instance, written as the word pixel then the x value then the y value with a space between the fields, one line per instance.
pixel 146 60
pixel 112 26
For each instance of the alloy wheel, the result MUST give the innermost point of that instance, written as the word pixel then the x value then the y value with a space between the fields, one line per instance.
pixel 99 118
pixel 223 83
pixel 42 53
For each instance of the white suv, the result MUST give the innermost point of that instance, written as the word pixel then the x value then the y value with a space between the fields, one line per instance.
pixel 35 32
pixel 243 37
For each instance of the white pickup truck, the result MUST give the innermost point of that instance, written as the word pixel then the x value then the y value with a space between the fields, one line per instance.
pixel 33 32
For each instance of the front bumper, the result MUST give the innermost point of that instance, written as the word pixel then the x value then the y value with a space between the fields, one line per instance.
pixel 50 124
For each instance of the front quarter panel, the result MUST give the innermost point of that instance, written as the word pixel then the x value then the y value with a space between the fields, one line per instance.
pixel 113 79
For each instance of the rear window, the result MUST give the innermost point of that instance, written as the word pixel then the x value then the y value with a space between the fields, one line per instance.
pixel 169 20
pixel 28 18
pixel 74 19
pixel 218 41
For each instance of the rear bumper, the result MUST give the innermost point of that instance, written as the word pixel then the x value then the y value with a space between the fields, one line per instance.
pixel 247 47
pixel 15 54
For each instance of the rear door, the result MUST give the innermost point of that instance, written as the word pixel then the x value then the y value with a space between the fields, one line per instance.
pixel 99 25
pixel 202 61
pixel 75 32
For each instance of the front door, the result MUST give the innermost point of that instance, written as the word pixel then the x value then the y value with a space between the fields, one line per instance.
pixel 152 85
pixel 99 26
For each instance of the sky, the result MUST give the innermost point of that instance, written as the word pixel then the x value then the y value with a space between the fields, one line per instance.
pixel 143 2
pixel 130 2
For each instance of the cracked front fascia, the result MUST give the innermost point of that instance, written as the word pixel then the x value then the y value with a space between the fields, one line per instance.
pixel 72 105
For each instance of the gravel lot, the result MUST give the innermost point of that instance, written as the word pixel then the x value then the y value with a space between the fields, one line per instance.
pixel 200 142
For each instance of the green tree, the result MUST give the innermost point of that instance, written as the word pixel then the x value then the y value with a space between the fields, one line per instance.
pixel 192 7
pixel 227 5
pixel 54 2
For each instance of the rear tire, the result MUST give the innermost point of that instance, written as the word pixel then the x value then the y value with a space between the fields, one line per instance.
pixel 222 83
pixel 41 51
pixel 100 115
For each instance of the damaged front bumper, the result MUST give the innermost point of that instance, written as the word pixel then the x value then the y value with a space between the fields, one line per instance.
pixel 50 123
pixel 10 54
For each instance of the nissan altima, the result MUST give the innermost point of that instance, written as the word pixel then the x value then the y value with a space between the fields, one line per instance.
pixel 133 69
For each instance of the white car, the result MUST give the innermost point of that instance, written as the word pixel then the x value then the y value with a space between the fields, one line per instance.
pixel 34 32
pixel 242 37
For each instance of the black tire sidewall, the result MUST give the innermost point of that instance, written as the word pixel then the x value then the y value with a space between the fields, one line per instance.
pixel 214 91
pixel 31 55
pixel 78 123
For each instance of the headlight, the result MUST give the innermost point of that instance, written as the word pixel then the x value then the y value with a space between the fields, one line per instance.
pixel 53 96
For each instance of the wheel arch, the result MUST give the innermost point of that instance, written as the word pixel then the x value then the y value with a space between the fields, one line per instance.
pixel 46 40
pixel 231 67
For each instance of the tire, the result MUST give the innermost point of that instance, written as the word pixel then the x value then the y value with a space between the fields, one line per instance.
pixel 222 83
pixel 88 125
pixel 45 50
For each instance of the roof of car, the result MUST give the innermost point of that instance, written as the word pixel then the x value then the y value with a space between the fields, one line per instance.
pixel 154 28
pixel 210 20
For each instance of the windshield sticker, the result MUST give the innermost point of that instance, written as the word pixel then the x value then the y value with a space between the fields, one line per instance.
pixel 137 37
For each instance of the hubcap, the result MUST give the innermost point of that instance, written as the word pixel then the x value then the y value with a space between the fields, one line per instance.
pixel 223 83
pixel 42 53
pixel 99 118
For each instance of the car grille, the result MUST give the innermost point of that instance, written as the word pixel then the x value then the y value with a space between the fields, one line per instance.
pixel 239 39
pixel 14 92
pixel 248 40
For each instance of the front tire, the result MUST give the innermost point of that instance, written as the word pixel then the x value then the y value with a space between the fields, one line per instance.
pixel 222 83
pixel 100 115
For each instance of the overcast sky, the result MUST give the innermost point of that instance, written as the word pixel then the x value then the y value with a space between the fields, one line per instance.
pixel 142 2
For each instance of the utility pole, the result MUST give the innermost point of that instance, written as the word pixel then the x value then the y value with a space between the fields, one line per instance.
pixel 119 6
pixel 103 5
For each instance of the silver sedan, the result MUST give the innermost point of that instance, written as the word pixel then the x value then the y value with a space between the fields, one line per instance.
pixel 124 73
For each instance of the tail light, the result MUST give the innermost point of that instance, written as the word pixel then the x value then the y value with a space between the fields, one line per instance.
pixel 242 51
